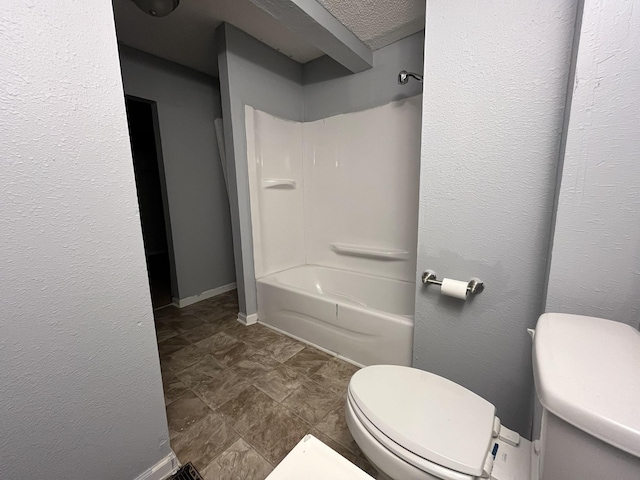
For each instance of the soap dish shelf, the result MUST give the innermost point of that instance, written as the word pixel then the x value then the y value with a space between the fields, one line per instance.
pixel 387 254
pixel 281 183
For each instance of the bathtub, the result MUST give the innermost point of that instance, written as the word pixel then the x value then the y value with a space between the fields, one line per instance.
pixel 362 318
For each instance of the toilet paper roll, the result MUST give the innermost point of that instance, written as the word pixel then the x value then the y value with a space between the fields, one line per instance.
pixel 454 288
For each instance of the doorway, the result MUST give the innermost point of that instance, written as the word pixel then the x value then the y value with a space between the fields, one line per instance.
pixel 147 164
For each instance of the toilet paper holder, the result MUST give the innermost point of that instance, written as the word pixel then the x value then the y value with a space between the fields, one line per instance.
pixel 474 286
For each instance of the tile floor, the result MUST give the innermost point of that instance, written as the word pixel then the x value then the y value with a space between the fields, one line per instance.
pixel 240 398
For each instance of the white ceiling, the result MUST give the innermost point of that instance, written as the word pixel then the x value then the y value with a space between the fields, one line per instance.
pixel 187 35
pixel 379 23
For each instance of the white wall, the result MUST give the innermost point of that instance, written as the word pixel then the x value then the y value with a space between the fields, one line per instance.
pixel 81 387
pixel 361 183
pixel 276 184
pixel 356 181
pixel 496 76
pixel 595 263
pixel 188 102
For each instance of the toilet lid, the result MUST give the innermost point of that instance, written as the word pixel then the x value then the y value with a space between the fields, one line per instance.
pixel 426 414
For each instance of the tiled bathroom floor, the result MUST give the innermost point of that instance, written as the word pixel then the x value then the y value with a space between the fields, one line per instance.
pixel 240 398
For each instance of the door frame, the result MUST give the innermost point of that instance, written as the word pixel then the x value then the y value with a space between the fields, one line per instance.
pixel 163 190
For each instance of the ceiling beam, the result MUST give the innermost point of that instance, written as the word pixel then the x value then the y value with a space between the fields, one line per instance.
pixel 315 24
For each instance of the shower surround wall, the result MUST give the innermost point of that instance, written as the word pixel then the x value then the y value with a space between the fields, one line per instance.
pixel 252 73
pixel 339 194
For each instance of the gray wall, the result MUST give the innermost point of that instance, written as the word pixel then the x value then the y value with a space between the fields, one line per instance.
pixel 330 89
pixel 595 262
pixel 188 102
pixel 251 74
pixel 496 77
pixel 81 393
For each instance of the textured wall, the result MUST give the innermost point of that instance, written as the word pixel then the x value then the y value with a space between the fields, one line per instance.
pixel 81 388
pixel 251 74
pixel 330 89
pixel 188 102
pixel 595 266
pixel 496 77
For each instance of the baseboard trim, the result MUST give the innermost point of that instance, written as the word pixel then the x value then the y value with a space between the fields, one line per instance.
pixel 185 302
pixel 161 470
pixel 250 319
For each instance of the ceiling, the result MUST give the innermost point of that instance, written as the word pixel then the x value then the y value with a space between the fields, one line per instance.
pixel 379 23
pixel 187 35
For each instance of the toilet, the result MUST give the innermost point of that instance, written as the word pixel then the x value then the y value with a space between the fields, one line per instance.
pixel 415 425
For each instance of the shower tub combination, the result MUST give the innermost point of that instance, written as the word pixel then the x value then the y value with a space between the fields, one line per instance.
pixel 334 217
pixel 363 318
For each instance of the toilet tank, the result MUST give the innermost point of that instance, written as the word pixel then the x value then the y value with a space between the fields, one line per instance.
pixel 587 379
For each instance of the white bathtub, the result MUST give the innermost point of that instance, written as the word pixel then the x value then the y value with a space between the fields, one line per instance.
pixel 363 318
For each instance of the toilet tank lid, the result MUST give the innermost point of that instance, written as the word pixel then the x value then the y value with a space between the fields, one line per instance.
pixel 587 372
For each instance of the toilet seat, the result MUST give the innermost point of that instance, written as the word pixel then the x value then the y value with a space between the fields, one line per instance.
pixel 430 422
pixel 384 444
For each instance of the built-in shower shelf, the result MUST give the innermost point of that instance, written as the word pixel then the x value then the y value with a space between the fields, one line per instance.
pixel 285 183
pixel 369 252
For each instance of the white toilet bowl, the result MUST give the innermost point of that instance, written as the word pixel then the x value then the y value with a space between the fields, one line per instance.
pixel 389 465
pixel 387 408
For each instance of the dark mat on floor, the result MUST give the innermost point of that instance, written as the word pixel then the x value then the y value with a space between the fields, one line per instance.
pixel 186 472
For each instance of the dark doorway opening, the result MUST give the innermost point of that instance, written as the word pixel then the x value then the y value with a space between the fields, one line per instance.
pixel 147 164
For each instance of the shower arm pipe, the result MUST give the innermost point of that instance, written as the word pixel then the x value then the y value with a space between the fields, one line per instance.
pixel 403 77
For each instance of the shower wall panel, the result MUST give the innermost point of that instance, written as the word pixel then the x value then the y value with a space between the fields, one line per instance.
pixel 341 192
pixel 361 174
pixel 274 153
